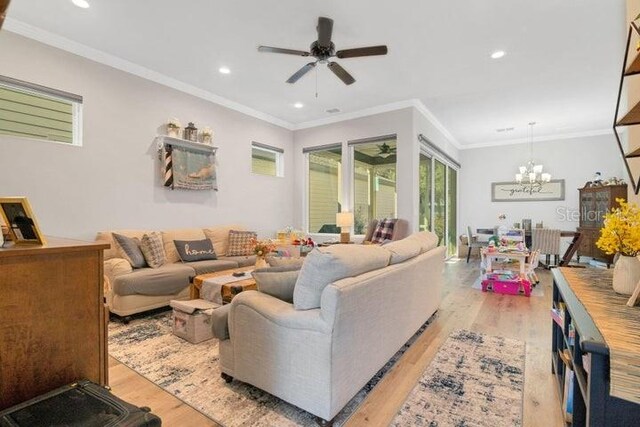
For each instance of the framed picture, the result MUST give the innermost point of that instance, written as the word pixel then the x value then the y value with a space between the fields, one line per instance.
pixel 525 192
pixel 18 216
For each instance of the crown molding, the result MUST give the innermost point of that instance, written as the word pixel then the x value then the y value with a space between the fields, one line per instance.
pixel 555 137
pixel 419 105
pixel 96 55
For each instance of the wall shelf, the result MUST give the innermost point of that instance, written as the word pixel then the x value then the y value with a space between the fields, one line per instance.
pixel 162 140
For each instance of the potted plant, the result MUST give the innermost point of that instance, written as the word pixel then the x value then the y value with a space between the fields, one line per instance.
pixel 621 236
pixel 207 135
pixel 173 127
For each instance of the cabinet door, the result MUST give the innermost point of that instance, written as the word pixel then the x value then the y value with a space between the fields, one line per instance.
pixel 587 209
pixel 586 243
pixel 602 204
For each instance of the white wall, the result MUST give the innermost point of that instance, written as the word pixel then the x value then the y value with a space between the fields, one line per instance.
pixel 113 180
pixel 574 160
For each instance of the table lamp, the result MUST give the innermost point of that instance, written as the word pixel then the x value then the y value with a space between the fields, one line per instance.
pixel 344 220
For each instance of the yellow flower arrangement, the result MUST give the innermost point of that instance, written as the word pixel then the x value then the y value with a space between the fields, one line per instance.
pixel 621 231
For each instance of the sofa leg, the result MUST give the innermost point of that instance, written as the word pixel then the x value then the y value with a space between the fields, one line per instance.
pixel 126 320
pixel 324 423
pixel 226 377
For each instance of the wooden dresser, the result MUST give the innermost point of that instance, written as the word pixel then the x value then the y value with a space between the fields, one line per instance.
pixel 52 317
pixel 594 203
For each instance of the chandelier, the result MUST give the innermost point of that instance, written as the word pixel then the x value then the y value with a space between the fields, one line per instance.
pixel 532 173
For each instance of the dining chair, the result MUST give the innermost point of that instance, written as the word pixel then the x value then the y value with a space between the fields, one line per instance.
pixel 546 241
pixel 472 241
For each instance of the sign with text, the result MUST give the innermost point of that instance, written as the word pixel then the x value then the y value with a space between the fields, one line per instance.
pixel 527 192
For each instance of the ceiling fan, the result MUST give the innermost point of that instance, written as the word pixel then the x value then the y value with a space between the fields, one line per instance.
pixel 323 49
pixel 386 150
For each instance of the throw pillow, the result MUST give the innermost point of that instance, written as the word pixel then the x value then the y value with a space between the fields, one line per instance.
pixel 239 242
pixel 278 282
pixel 129 249
pixel 324 266
pixel 153 249
pixel 195 250
pixel 384 230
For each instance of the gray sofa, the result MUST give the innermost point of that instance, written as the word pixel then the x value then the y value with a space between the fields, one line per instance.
pixel 369 300
pixel 129 291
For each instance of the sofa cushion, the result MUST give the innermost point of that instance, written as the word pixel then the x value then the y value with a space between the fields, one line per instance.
pixel 243 261
pixel 402 250
pixel 166 280
pixel 239 242
pixel 129 249
pixel 276 261
pixel 220 322
pixel 153 249
pixel 195 250
pixel 324 266
pixel 426 239
pixel 278 282
pixel 211 266
pixel 219 236
pixel 168 236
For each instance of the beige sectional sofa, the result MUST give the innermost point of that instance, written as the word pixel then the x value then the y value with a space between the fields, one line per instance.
pixel 367 305
pixel 129 291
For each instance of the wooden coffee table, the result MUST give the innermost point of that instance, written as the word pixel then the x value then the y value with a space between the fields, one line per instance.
pixel 229 290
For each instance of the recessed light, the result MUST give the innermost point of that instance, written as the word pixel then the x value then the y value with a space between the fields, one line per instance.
pixel 81 3
pixel 498 54
pixel 224 70
pixel 298 105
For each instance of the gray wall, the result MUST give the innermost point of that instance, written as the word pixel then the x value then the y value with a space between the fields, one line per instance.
pixel 113 180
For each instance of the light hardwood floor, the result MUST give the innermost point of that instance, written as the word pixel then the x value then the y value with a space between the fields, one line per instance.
pixel 515 317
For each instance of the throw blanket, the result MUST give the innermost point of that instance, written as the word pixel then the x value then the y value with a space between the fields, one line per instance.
pixel 189 170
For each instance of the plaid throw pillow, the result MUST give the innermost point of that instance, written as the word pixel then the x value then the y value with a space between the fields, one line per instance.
pixel 153 249
pixel 239 242
pixel 383 231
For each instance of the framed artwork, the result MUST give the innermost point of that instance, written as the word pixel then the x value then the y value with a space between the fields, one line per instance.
pixel 525 192
pixel 18 216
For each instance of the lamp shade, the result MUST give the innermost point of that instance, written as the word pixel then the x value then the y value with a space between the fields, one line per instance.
pixel 344 219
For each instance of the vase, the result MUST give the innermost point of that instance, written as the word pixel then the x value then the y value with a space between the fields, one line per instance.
pixel 261 262
pixel 626 273
pixel 173 132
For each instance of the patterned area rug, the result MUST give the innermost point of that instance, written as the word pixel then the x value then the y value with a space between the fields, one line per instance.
pixel 474 380
pixel 190 372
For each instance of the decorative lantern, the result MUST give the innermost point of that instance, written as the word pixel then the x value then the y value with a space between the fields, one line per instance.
pixel 191 132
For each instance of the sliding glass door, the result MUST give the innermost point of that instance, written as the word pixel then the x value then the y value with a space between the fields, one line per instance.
pixel 438 193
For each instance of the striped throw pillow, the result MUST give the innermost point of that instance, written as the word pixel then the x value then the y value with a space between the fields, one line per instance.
pixel 153 249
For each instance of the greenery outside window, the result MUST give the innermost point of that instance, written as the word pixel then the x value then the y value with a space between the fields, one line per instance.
pixel 266 160
pixel 324 177
pixel 32 111
pixel 374 181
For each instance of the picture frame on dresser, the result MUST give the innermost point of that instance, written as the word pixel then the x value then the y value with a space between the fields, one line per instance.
pixel 18 216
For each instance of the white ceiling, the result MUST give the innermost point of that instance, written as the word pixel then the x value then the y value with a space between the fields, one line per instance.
pixel 561 69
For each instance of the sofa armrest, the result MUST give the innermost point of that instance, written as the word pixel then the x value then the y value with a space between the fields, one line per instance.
pixel 115 267
pixel 277 311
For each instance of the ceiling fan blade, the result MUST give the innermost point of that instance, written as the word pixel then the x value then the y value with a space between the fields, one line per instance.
pixel 301 72
pixel 362 51
pixel 325 28
pixel 280 50
pixel 341 73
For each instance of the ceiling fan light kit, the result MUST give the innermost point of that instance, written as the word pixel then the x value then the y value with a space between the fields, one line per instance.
pixel 322 50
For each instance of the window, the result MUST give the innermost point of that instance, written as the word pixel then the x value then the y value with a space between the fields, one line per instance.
pixel 374 181
pixel 438 193
pixel 324 188
pixel 266 160
pixel 31 111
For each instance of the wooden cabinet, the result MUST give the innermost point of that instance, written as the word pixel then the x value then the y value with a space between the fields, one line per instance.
pixel 595 202
pixel 52 318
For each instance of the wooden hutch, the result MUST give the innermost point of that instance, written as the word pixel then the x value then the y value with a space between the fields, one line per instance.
pixel 595 202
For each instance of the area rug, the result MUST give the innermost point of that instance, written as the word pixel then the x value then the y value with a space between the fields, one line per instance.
pixel 474 380
pixel 190 372
pixel 536 291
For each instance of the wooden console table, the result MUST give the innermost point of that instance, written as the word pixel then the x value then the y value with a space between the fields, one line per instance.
pixel 607 333
pixel 52 318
